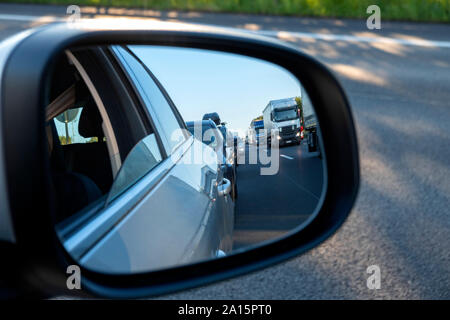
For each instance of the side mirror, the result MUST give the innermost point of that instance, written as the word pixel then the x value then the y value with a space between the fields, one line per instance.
pixel 168 225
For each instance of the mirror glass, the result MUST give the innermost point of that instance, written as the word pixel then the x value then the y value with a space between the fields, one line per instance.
pixel 165 156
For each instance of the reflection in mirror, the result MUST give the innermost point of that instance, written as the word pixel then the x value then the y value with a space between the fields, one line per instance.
pixel 164 156
pixel 141 159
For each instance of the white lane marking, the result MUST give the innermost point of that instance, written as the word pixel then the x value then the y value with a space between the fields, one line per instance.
pixel 20 17
pixel 351 38
pixel 287 157
pixel 279 34
pixel 301 187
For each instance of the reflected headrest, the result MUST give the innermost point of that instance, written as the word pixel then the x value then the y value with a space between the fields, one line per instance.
pixel 90 124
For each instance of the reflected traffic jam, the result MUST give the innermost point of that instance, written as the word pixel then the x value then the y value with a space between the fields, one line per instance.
pixel 295 181
pixel 138 188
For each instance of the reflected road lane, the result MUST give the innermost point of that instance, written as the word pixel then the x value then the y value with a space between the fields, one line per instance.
pixel 268 206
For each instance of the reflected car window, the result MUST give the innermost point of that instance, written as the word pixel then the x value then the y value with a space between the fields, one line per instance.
pixel 141 160
pixel 154 99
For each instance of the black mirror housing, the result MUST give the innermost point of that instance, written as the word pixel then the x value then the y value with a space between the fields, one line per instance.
pixel 43 262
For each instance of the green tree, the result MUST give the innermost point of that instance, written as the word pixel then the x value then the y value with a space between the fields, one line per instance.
pixel 64 141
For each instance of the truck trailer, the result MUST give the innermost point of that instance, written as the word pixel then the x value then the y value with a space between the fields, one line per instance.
pixel 310 123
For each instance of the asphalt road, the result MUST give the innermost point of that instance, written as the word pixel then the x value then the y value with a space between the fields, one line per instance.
pixel 269 206
pixel 400 95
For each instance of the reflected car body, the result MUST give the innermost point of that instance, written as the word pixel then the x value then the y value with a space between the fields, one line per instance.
pixel 228 142
pixel 199 129
pixel 239 146
pixel 184 204
pixel 228 145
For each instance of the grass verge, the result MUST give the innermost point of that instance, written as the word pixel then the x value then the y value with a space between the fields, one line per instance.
pixel 410 10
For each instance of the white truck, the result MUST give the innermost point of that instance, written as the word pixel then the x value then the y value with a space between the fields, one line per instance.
pixel 282 121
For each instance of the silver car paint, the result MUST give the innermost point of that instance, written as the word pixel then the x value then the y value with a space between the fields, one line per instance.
pixel 208 222
pixel 181 220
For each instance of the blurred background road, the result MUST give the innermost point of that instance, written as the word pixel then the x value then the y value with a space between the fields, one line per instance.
pixel 297 187
pixel 399 89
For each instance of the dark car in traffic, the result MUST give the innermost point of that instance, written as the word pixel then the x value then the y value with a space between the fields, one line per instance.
pixel 207 132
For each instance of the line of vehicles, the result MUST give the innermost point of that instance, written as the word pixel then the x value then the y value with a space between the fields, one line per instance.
pixel 288 120
pixel 214 133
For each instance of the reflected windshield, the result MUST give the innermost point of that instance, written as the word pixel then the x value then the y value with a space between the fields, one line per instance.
pixel 286 114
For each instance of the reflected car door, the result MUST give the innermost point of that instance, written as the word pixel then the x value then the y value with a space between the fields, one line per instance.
pixel 166 218
pixel 182 219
